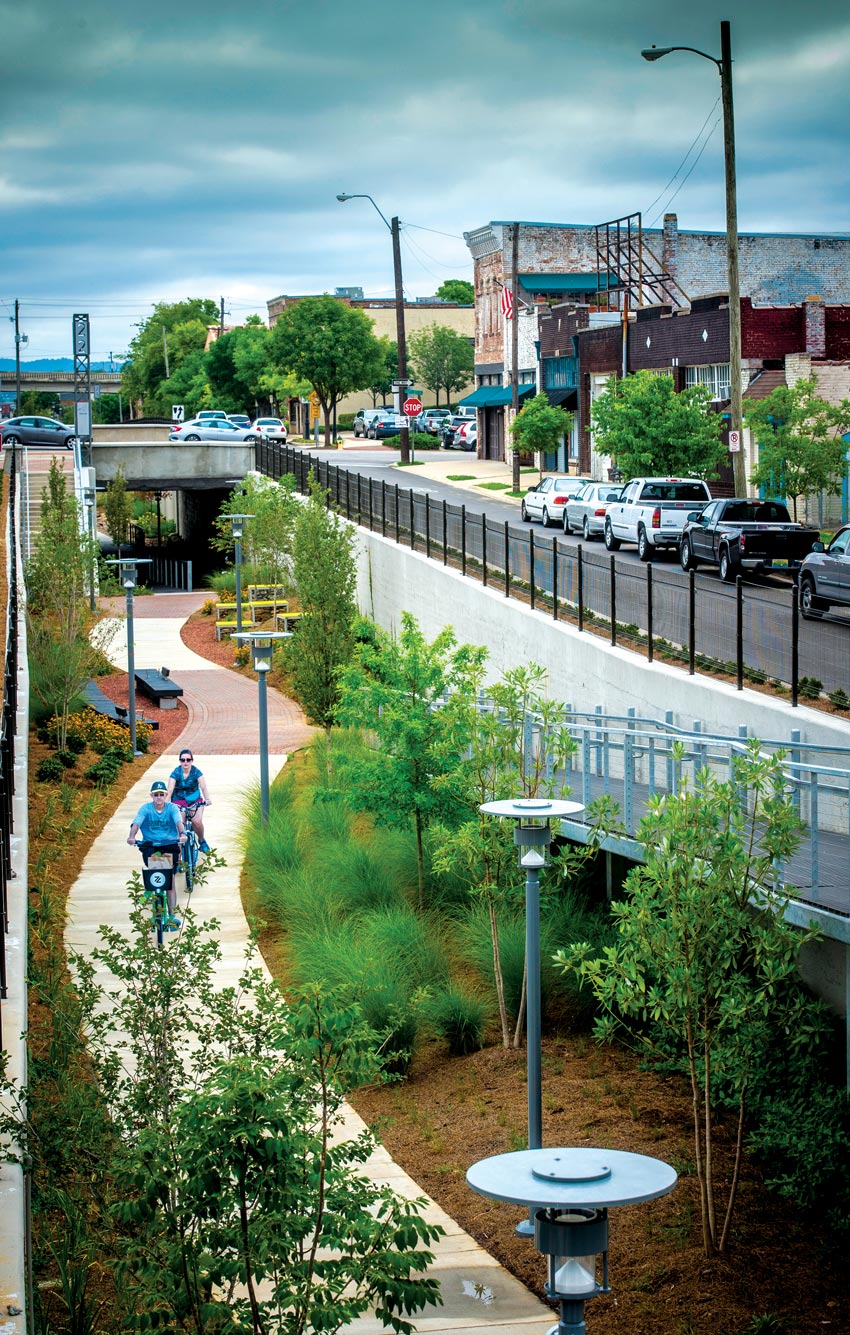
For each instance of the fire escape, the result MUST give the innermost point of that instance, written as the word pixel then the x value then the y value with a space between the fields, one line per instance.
pixel 629 274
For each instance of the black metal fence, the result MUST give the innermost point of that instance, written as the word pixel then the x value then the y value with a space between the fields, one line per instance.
pixel 747 632
pixel 8 722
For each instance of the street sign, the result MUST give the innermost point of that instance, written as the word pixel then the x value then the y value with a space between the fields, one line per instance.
pixel 177 412
pixel 412 407
pixel 734 442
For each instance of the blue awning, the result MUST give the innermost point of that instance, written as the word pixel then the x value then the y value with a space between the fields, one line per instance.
pixel 554 283
pixel 494 396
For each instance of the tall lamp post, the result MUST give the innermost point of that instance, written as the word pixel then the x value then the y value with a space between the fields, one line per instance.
pixel 237 528
pixel 262 648
pixel 569 1193
pixel 724 67
pixel 532 835
pixel 127 572
pixel 403 381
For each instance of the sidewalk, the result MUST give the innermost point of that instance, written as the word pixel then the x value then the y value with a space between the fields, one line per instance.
pixel 478 1295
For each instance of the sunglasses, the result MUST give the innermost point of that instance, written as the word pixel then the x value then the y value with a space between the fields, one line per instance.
pixel 182 758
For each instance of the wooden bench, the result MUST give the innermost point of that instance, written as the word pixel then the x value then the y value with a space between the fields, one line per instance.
pixel 159 687
pixel 95 699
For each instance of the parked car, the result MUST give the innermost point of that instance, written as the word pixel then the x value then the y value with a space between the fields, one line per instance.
pixel 270 428
pixel 364 418
pixel 431 420
pixel 740 533
pixel 448 429
pixel 240 419
pixel 585 512
pixel 825 576
pixel 547 498
pixel 30 430
pixel 466 436
pixel 207 415
pixel 652 512
pixel 215 428
pixel 385 424
pixel 466 412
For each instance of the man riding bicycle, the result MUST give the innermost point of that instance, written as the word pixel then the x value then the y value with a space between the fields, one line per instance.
pixel 187 788
pixel 160 823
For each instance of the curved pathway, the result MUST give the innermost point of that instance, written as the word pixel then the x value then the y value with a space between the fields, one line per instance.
pixel 222 730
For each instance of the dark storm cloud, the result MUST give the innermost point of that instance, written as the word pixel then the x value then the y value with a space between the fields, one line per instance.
pixel 150 151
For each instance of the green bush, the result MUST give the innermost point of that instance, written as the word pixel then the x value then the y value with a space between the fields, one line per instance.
pixel 840 699
pixel 76 744
pixel 810 687
pixel 419 440
pixel 66 758
pixel 458 1016
pixel 50 770
pixel 104 772
pixel 345 421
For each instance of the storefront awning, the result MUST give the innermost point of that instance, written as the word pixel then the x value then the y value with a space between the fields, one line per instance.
pixel 494 396
pixel 562 398
pixel 553 284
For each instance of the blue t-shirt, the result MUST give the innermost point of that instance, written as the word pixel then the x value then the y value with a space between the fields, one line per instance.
pixel 160 827
pixel 186 790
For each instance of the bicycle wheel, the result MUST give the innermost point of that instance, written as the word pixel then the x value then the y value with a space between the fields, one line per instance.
pixel 158 884
pixel 190 858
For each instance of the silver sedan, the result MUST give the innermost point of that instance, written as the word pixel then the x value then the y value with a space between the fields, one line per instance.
pixel 585 513
pixel 216 428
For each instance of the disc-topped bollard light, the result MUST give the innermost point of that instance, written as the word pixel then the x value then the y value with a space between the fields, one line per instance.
pixel 568 1193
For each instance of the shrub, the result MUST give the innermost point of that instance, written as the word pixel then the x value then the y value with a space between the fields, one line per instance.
pixel 102 733
pixel 104 772
pixel 810 687
pixel 66 759
pixel 242 655
pixel 50 770
pixel 840 699
pixel 209 606
pixel 76 745
pixel 458 1016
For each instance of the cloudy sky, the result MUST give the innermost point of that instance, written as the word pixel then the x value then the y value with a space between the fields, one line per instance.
pixel 158 149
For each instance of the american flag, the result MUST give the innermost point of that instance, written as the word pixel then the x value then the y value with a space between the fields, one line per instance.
pixel 507 303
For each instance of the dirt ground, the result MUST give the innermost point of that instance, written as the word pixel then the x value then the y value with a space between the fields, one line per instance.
pixel 451 1112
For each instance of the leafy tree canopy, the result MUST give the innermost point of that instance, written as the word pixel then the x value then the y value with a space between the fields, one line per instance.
pixel 442 357
pixel 456 289
pixel 331 346
pixel 539 427
pixel 799 437
pixel 389 371
pixel 185 324
pixel 647 428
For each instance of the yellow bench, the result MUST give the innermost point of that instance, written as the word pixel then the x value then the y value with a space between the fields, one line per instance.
pixel 226 621
pixel 286 620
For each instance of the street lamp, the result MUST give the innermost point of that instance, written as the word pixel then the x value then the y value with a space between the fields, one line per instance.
pixel 532 835
pixel 403 381
pixel 127 572
pixel 90 498
pixel 724 67
pixel 262 647
pixel 569 1193
pixel 237 528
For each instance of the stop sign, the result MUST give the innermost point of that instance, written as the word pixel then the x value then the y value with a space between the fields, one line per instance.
pixel 412 407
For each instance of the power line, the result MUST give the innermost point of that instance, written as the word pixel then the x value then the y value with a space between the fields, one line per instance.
pixel 694 142
pixel 690 171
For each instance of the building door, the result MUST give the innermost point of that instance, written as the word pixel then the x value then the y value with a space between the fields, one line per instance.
pixel 494 434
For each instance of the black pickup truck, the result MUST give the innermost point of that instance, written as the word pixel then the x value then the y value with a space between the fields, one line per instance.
pixel 739 535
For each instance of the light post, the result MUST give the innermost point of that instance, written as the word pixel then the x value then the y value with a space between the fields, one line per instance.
pixel 237 528
pixel 262 648
pixel 532 835
pixel 90 497
pixel 569 1193
pixel 724 68
pixel 127 572
pixel 403 381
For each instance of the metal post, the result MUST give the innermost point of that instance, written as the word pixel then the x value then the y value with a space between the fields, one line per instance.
pixel 515 480
pixel 131 669
pixel 384 508
pixel 692 616
pixel 613 602
pixel 463 539
pixel 237 556
pixel 533 1018
pixel 795 643
pixel 735 392
pixel 507 559
pixel 484 550
pixel 650 645
pixel 555 579
pixel 531 564
pixel 264 746
pixel 397 514
pixel 412 523
pixel 739 630
pixel 580 586
pixel 404 434
pixel 445 534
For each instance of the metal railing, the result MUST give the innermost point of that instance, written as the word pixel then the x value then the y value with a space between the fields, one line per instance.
pixel 744 631
pixel 8 720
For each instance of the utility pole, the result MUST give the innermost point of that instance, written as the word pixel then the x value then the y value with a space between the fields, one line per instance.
pixel 17 359
pixel 165 352
pixel 404 434
pixel 515 483
pixel 221 316
pixel 736 414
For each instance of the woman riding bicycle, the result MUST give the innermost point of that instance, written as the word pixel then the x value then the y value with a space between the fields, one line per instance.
pixel 188 787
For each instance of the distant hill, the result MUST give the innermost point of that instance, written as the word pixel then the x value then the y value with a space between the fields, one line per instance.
pixel 52 364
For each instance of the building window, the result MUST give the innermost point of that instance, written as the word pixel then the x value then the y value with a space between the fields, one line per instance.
pixel 559 372
pixel 715 376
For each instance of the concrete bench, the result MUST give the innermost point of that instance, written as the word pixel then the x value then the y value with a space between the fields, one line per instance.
pixel 158 687
pixel 95 699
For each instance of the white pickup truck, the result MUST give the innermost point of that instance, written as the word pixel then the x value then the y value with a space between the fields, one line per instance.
pixel 652 512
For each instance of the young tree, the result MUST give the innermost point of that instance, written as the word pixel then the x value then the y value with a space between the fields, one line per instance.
pixel 703 949
pixel 267 540
pixel 539 428
pixel 517 746
pixel 647 428
pixel 234 1201
pixel 117 509
pixel 392 689
pixel 389 372
pixel 330 345
pixel 59 620
pixel 325 579
pixel 443 359
pixel 456 289
pixel 799 435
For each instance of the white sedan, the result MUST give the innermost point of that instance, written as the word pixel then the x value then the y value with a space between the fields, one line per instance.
pixel 215 428
pixel 270 428
pixel 547 499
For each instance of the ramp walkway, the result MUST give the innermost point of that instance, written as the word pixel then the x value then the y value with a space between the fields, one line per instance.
pixel 222 731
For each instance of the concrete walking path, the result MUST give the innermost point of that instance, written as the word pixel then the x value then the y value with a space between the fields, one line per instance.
pixel 222 732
